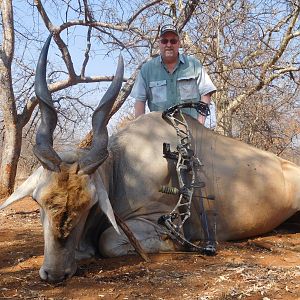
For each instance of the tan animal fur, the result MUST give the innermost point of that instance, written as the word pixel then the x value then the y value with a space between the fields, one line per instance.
pixel 65 198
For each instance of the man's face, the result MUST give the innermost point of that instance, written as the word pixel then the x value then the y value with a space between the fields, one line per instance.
pixel 169 47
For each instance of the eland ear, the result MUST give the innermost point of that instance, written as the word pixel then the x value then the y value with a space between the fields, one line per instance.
pixel 104 201
pixel 25 189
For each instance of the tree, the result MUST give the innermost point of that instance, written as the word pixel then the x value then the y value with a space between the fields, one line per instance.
pixel 119 25
pixel 12 121
pixel 251 49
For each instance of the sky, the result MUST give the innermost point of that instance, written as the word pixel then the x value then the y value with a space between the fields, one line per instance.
pixel 28 22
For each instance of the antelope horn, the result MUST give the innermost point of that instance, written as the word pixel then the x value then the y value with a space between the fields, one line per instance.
pixel 43 149
pixel 98 152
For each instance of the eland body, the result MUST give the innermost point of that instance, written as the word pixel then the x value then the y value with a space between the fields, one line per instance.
pixel 78 191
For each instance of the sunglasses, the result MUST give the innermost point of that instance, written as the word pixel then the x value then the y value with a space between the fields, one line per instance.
pixel 172 41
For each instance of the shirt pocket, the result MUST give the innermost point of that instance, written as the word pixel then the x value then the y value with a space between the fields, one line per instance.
pixel 188 88
pixel 158 91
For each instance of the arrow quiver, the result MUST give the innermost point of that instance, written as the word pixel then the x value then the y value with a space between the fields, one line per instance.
pixel 187 168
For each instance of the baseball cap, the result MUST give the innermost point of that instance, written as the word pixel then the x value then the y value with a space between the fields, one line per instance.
pixel 168 28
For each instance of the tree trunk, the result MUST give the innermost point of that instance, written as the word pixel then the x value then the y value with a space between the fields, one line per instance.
pixel 10 157
pixel 12 135
pixel 13 132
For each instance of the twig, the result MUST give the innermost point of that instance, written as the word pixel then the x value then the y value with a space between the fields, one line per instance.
pixel 261 244
pixel 134 242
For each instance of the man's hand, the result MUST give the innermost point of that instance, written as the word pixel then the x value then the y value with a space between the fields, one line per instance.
pixel 206 99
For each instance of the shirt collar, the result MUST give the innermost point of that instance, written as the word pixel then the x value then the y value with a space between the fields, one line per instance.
pixel 181 58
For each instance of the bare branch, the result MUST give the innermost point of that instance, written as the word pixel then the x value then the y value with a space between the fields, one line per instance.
pixel 123 95
pixel 286 39
pixel 44 16
pixel 87 51
pixel 61 45
pixel 119 27
pixel 265 78
pixel 137 13
pixel 125 91
pixel 25 116
pixel 186 14
pixel 60 85
pixel 7 49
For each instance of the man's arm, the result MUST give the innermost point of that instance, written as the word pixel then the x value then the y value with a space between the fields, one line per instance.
pixel 206 89
pixel 139 108
pixel 206 99
pixel 139 93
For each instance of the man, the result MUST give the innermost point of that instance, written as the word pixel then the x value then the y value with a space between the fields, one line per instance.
pixel 171 78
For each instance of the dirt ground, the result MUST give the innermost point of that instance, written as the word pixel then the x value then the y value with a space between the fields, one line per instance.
pixel 262 268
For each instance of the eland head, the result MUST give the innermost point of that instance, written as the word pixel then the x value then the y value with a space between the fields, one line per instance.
pixel 66 190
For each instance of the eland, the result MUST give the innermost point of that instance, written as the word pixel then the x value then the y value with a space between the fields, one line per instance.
pixel 78 191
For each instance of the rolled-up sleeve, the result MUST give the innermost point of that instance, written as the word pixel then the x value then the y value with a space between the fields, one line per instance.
pixel 139 89
pixel 205 84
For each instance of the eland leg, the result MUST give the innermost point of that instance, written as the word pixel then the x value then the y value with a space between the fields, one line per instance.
pixel 152 237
